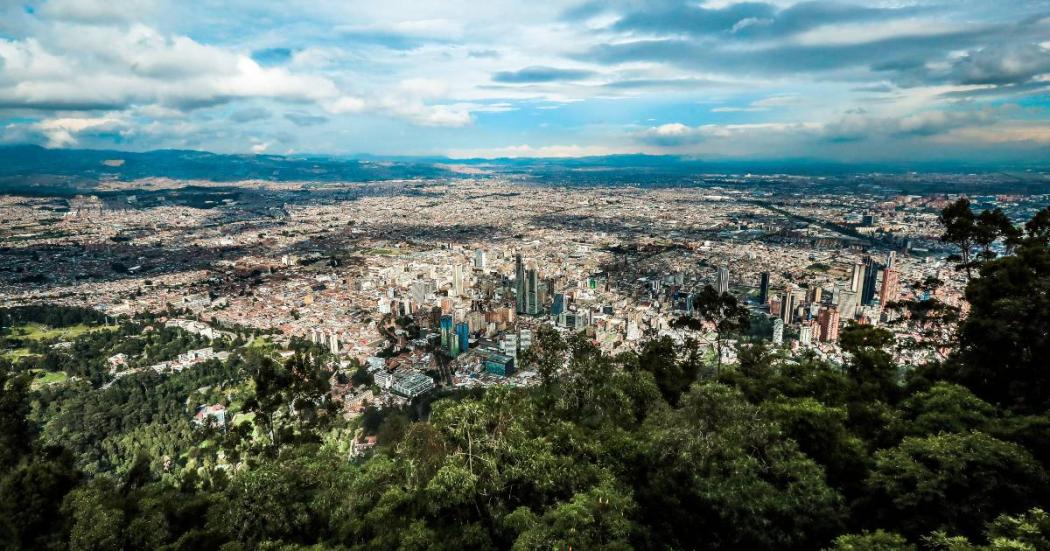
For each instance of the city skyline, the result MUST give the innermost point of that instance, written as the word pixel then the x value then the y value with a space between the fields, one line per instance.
pixel 846 81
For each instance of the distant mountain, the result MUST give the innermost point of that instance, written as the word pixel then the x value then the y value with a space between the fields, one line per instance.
pixel 30 167
pixel 31 160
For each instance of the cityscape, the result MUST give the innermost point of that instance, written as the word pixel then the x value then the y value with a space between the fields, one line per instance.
pixel 707 275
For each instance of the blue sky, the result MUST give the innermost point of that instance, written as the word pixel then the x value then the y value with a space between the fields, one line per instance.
pixel 893 80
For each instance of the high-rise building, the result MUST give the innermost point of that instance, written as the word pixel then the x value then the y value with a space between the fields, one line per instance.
pixel 457 280
pixel 722 280
pixel 871 274
pixel 857 278
pixel 446 333
pixel 479 259
pixel 890 284
pixel 763 287
pixel 778 331
pixel 532 292
pixel 463 336
pixel 787 306
pixel 519 282
pixel 828 321
pixel 558 305
pixel 805 334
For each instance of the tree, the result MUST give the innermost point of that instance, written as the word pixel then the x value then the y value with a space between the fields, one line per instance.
pixel 1004 342
pixel 721 309
pixel 946 407
pixel 878 540
pixel 718 474
pixel 954 482
pixel 16 434
pixel 960 229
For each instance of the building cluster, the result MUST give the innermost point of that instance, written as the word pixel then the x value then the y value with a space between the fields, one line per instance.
pixel 444 282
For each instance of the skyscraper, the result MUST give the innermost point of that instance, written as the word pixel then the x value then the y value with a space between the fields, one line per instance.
pixel 722 280
pixel 778 331
pixel 479 259
pixel 532 292
pixel 519 282
pixel 763 287
pixel 463 337
pixel 446 333
pixel 457 280
pixel 787 306
pixel 857 277
pixel 828 321
pixel 559 304
pixel 890 284
pixel 871 274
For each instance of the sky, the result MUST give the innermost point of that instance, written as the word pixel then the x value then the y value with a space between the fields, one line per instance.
pixel 893 80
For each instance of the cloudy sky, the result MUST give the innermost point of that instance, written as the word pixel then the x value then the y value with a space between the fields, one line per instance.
pixel 847 80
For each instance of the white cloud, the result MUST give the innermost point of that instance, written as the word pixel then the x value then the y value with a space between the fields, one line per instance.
pixel 547 151
pixel 62 132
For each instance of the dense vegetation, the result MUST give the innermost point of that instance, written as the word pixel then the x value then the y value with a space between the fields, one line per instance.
pixel 655 450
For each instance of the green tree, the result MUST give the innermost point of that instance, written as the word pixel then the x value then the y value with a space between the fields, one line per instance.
pixel 953 482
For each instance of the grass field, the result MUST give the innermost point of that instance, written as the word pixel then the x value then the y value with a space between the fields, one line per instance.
pixel 43 378
pixel 38 332
pixel 16 354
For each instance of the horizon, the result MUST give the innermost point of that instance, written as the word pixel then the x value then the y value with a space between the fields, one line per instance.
pixel 847 82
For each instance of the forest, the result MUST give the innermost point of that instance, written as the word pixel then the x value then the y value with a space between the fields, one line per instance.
pixel 658 449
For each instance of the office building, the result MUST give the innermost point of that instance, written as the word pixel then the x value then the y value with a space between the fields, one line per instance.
pixel 457 280
pixel 763 288
pixel 519 283
pixel 480 260
pixel 446 333
pixel 890 285
pixel 722 280
pixel 828 322
pixel 558 305
pixel 778 332
pixel 532 292
pixel 499 364
pixel 463 336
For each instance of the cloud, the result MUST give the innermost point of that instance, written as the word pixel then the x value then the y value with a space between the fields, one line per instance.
pixel 1002 64
pixel 547 151
pixel 96 11
pixel 538 73
pixel 105 68
pixel 251 114
pixel 860 126
pixel 304 119
pixel 63 132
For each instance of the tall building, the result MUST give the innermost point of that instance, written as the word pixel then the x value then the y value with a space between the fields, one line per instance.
pixel 457 280
pixel 778 331
pixel 857 278
pixel 828 321
pixel 787 306
pixel 559 304
pixel 722 280
pixel 479 259
pixel 463 337
pixel 890 283
pixel 805 334
pixel 519 282
pixel 532 292
pixel 763 287
pixel 871 274
pixel 446 333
